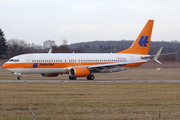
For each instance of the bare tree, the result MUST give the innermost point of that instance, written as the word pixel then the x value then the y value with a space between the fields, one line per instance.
pixel 15 46
pixel 62 48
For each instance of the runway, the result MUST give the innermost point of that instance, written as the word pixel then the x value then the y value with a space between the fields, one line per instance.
pixel 108 81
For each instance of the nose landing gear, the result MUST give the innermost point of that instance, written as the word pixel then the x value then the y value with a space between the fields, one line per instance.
pixel 19 78
pixel 18 75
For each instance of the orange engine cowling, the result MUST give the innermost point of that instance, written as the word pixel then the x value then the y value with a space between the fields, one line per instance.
pixel 49 74
pixel 79 72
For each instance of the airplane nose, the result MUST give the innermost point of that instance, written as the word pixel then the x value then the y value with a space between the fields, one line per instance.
pixel 5 65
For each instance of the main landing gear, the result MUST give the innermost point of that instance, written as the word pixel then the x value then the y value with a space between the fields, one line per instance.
pixel 72 78
pixel 90 77
pixel 19 78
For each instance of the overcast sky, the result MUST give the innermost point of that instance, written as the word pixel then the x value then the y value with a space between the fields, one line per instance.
pixel 87 20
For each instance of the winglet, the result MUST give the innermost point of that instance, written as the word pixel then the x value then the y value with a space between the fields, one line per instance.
pixel 50 51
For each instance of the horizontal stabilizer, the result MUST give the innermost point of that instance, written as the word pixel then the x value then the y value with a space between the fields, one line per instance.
pixel 157 56
pixel 169 53
pixel 157 61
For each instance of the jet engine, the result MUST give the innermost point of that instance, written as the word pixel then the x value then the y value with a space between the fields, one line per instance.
pixel 79 72
pixel 49 74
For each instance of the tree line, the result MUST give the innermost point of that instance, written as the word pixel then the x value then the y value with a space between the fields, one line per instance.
pixel 13 47
pixel 116 46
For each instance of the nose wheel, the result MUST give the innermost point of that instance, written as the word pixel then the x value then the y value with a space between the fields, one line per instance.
pixel 19 77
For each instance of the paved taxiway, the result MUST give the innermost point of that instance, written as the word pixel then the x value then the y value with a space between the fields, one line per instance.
pixel 89 80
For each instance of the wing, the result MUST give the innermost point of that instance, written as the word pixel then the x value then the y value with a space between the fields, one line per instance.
pixel 113 67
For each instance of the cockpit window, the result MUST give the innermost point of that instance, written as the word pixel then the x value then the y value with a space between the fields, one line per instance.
pixel 14 60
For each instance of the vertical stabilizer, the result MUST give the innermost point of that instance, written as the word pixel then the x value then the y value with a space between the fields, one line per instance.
pixel 142 43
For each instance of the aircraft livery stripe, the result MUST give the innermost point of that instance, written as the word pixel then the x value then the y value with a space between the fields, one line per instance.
pixel 61 65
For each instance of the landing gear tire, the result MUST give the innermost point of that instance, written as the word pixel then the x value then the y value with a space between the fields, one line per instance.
pixel 19 78
pixel 72 78
pixel 90 77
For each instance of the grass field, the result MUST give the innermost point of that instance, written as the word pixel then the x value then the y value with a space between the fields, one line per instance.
pixel 127 101
pixel 83 101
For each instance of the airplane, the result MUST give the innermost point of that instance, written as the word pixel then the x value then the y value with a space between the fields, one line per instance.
pixel 84 64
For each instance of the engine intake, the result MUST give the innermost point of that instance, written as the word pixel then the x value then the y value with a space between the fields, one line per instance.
pixel 79 72
pixel 49 74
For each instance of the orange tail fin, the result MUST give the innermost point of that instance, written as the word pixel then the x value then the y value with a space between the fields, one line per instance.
pixel 142 43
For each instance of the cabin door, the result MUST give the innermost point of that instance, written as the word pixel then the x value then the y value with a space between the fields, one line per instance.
pixel 132 59
pixel 28 61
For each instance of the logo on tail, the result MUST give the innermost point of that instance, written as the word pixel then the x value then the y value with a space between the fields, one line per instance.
pixel 143 41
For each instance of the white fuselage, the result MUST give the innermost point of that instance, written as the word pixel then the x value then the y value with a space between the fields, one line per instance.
pixel 59 63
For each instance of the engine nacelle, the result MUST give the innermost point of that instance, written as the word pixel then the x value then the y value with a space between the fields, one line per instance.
pixel 79 72
pixel 49 74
